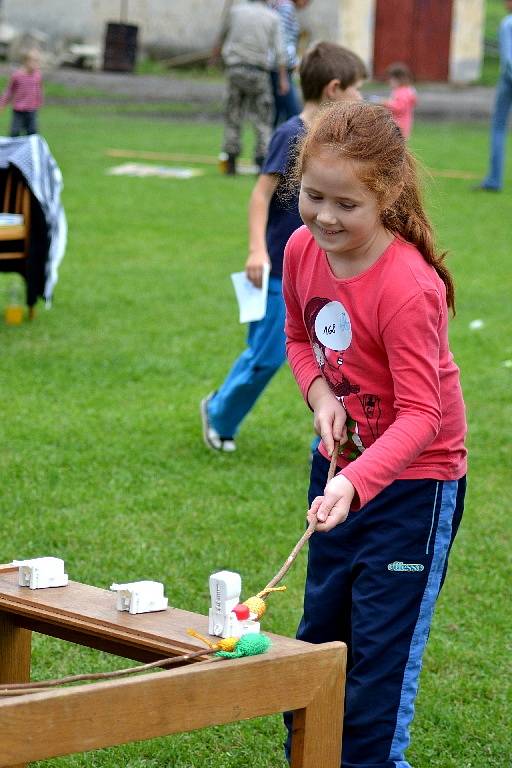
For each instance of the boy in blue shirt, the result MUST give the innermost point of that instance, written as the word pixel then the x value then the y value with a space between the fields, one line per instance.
pixel 328 73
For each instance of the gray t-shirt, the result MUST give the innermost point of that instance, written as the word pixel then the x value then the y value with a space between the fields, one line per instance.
pixel 252 36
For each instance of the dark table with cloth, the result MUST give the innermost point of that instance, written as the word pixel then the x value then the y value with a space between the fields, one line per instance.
pixel 30 157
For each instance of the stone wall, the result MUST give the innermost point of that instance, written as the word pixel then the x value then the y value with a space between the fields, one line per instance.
pixel 467 40
pixel 175 25
pixel 180 26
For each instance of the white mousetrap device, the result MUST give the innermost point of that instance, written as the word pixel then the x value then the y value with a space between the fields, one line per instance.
pixel 227 617
pixel 140 596
pixel 41 572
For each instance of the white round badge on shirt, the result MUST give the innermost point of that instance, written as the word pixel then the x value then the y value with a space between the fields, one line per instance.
pixel 332 326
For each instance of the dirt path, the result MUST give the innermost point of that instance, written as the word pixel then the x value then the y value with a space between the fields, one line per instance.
pixel 436 101
pixel 141 88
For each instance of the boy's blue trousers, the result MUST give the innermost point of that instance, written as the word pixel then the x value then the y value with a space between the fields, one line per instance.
pixel 254 368
pixel 372 582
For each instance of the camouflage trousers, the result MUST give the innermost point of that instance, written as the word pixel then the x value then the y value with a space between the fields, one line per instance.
pixel 249 92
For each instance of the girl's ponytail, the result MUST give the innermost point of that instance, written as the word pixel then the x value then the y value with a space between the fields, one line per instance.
pixel 407 218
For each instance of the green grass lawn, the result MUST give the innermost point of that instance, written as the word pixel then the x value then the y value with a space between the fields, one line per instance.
pixel 102 461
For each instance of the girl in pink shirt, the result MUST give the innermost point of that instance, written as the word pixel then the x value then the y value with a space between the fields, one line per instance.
pixel 367 299
pixel 402 100
pixel 25 92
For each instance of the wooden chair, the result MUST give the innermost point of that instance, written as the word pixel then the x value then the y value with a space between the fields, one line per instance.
pixel 16 199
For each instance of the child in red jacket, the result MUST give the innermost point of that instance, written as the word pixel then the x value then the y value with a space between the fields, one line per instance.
pixel 402 100
pixel 367 297
pixel 24 91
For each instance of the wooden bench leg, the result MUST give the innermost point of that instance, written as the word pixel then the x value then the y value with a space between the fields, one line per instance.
pixel 317 729
pixel 15 652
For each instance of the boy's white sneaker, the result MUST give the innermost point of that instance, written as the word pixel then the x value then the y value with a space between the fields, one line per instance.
pixel 210 435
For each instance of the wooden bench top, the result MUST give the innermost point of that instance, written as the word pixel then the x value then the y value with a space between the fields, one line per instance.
pixel 88 615
pixel 304 678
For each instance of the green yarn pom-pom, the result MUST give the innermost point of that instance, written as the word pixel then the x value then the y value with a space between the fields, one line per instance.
pixel 248 645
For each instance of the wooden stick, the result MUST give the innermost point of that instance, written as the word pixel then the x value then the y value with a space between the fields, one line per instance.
pixel 307 535
pixel 334 459
pixel 140 154
pixel 22 692
pixel 36 687
pixel 188 58
pixel 448 173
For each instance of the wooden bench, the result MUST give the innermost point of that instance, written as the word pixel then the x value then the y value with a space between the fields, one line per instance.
pixel 292 675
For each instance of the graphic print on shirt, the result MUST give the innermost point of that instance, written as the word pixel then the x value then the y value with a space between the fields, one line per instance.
pixel 330 332
pixel 372 411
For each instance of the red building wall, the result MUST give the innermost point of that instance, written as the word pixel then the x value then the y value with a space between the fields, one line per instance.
pixel 416 32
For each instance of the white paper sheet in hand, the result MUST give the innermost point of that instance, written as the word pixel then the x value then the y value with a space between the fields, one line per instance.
pixel 252 301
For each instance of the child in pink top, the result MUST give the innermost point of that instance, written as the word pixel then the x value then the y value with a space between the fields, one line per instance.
pixel 25 92
pixel 367 300
pixel 402 100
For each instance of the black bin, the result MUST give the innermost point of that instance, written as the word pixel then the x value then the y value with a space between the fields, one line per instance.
pixel 120 52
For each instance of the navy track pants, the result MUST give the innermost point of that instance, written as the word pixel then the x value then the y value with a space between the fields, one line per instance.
pixel 372 582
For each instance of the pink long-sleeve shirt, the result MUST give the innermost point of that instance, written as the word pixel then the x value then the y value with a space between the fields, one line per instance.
pixel 380 340
pixel 24 90
pixel 402 103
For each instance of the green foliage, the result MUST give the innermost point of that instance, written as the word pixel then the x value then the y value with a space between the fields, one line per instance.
pixel 494 12
pixel 102 461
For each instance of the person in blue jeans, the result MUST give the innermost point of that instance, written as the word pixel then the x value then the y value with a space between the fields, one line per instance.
pixel 288 104
pixel 328 73
pixel 503 102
